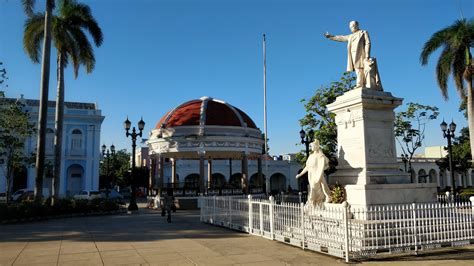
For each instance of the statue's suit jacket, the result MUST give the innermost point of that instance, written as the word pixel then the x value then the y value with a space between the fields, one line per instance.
pixel 358 44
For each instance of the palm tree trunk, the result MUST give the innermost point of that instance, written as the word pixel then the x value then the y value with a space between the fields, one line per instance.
pixel 59 121
pixel 470 107
pixel 43 108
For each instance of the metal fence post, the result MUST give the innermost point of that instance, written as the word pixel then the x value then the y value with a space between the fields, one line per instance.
pixel 300 195
pixel 260 205
pixel 272 202
pixel 345 205
pixel 250 214
pixel 415 233
pixel 202 208
pixel 302 225
pixel 230 212
pixel 472 204
pixel 214 210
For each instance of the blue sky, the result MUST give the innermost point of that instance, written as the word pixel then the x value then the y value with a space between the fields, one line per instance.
pixel 160 53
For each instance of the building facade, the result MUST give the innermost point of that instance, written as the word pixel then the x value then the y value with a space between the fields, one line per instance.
pixel 80 154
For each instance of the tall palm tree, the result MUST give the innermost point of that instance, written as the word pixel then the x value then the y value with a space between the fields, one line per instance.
pixel 456 59
pixel 69 27
pixel 28 6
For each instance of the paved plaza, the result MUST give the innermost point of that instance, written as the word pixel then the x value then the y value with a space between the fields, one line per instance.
pixel 145 238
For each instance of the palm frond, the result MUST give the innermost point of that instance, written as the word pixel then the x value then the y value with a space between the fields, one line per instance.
pixel 458 66
pixel 80 14
pixel 28 6
pixel 33 34
pixel 436 41
pixel 443 69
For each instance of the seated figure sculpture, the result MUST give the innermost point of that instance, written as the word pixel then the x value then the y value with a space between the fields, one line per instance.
pixel 316 163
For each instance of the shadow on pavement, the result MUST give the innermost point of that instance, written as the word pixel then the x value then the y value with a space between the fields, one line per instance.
pixel 146 225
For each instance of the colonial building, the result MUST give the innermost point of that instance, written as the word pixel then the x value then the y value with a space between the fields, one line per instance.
pixel 81 149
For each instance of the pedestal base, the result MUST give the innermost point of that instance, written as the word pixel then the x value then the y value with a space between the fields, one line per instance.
pixel 390 194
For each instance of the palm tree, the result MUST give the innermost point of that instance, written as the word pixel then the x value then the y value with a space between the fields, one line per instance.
pixel 72 45
pixel 455 59
pixel 28 6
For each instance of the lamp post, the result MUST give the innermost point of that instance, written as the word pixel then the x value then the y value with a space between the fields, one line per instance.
pixel 306 139
pixel 127 124
pixel 448 133
pixel 106 154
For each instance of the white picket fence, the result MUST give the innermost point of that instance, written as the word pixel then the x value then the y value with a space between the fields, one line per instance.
pixel 345 232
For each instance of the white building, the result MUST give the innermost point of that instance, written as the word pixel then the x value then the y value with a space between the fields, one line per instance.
pixel 81 149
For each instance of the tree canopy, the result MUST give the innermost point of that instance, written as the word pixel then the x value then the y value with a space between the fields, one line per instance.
pixel 15 128
pixel 321 121
pixel 410 128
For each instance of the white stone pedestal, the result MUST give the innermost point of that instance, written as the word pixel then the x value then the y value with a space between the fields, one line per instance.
pixel 367 162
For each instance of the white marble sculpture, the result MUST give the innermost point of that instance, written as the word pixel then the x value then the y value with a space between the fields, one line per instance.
pixel 358 57
pixel 316 163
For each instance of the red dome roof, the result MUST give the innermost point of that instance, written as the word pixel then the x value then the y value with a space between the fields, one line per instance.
pixel 205 111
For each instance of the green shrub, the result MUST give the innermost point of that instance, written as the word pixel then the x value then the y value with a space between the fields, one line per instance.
pixel 80 206
pixel 467 192
pixel 338 194
pixel 109 205
pixel 28 209
pixel 94 204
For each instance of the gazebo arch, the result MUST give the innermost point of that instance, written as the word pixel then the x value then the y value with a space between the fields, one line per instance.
pixel 217 180
pixel 191 181
pixel 255 182
pixel 278 182
pixel 205 129
pixel 235 180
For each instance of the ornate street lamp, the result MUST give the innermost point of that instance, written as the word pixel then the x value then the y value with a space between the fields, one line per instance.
pixel 106 154
pixel 448 133
pixel 127 124
pixel 306 139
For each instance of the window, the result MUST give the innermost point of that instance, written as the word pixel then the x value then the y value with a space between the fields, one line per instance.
pixel 76 140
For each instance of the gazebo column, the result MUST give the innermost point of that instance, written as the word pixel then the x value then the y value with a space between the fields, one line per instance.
pixel 245 173
pixel 209 173
pixel 161 170
pixel 151 176
pixel 173 172
pixel 201 173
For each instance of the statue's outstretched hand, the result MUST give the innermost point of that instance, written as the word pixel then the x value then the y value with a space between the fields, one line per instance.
pixel 327 35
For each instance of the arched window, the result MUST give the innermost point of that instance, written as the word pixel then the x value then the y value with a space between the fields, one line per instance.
pixel 422 176
pixel 76 140
pixel 433 177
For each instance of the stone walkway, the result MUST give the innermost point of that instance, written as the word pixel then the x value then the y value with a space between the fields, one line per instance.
pixel 145 238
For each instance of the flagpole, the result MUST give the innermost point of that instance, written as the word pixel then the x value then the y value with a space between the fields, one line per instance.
pixel 267 178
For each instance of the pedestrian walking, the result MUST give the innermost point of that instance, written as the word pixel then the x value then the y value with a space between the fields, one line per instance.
pixel 168 203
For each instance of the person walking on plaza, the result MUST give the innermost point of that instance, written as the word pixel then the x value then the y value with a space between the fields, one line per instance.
pixel 168 202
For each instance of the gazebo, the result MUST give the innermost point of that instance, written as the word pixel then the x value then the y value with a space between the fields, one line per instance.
pixel 204 129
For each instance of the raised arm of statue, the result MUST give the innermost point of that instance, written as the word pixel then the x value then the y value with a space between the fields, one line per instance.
pixel 338 38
